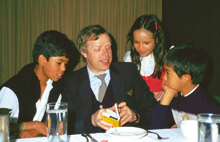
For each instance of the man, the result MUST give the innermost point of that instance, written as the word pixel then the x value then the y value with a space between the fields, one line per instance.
pixel 37 83
pixel 124 87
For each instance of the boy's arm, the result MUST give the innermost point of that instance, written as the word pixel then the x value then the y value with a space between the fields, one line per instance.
pixel 168 95
pixel 159 117
pixel 32 129
pixel 11 103
pixel 28 129
pixel 162 115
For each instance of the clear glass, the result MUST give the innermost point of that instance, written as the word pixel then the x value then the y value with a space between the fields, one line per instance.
pixel 208 127
pixel 57 122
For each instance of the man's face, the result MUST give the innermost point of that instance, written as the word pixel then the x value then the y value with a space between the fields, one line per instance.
pixel 172 80
pixel 99 54
pixel 55 67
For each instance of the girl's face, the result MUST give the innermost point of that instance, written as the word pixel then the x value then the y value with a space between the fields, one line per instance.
pixel 143 42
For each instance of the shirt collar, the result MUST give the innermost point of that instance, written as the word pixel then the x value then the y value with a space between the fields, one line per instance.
pixel 149 57
pixel 147 65
pixel 191 91
pixel 92 75
pixel 49 82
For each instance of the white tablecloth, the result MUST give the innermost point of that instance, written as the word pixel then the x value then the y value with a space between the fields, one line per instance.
pixel 174 135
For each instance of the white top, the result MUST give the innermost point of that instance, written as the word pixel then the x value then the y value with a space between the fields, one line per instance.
pixel 8 99
pixel 147 63
pixel 95 82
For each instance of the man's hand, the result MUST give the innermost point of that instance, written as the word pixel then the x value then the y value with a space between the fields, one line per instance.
pixel 168 95
pixel 98 121
pixel 125 113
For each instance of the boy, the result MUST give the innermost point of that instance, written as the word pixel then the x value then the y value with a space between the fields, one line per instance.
pixel 36 84
pixel 183 97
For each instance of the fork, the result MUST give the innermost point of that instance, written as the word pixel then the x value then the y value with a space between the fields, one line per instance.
pixel 158 136
pixel 93 139
pixel 84 135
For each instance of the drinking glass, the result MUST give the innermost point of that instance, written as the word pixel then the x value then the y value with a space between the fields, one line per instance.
pixel 57 122
pixel 208 127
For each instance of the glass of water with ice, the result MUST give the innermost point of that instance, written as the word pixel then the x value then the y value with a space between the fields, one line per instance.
pixel 208 128
pixel 57 122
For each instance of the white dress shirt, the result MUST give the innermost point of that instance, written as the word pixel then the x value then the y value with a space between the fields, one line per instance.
pixel 95 82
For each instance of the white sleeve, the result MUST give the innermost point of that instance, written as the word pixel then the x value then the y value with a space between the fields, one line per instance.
pixel 8 99
pixel 127 57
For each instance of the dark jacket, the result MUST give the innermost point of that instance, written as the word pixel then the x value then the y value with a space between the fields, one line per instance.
pixel 127 85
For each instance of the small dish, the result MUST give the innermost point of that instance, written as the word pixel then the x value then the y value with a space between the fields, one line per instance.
pixel 127 133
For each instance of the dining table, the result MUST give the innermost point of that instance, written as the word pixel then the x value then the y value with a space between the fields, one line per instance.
pixel 173 135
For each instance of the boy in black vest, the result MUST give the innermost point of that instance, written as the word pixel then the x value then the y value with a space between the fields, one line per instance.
pixel 36 84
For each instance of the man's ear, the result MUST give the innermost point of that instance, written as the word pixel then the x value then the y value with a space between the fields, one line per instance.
pixel 186 78
pixel 42 59
pixel 84 54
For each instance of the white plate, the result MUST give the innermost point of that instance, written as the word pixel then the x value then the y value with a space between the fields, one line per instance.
pixel 128 133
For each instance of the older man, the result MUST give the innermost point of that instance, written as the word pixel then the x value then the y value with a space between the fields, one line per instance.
pixel 84 89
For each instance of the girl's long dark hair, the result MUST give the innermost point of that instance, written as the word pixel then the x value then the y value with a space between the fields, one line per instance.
pixel 152 24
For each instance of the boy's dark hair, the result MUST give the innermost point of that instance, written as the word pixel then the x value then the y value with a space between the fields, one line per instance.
pixel 90 32
pixel 52 43
pixel 187 59
pixel 154 25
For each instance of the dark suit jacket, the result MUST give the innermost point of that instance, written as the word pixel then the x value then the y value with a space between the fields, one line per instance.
pixel 127 86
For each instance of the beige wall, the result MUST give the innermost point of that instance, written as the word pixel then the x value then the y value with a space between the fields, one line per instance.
pixel 22 21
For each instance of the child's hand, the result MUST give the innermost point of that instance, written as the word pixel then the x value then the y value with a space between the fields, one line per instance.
pixel 168 95
pixel 33 128
pixel 28 134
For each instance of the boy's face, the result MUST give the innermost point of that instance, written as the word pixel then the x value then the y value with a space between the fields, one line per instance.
pixel 55 67
pixel 172 80
pixel 99 55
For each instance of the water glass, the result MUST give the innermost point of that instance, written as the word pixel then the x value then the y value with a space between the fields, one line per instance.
pixel 208 127
pixel 57 122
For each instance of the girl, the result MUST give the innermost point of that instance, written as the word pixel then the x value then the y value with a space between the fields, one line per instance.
pixel 146 40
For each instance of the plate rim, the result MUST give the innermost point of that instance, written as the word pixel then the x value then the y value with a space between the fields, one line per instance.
pixel 127 136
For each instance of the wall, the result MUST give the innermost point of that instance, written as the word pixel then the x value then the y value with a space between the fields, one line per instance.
pixel 22 21
pixel 196 22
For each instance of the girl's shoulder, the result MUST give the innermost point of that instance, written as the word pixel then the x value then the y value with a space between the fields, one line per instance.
pixel 127 57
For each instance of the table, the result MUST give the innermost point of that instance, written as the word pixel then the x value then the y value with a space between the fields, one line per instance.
pixel 174 135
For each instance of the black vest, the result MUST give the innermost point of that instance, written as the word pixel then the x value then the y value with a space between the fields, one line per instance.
pixel 108 101
pixel 26 86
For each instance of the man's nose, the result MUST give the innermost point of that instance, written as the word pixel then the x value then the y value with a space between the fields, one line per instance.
pixel 105 51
